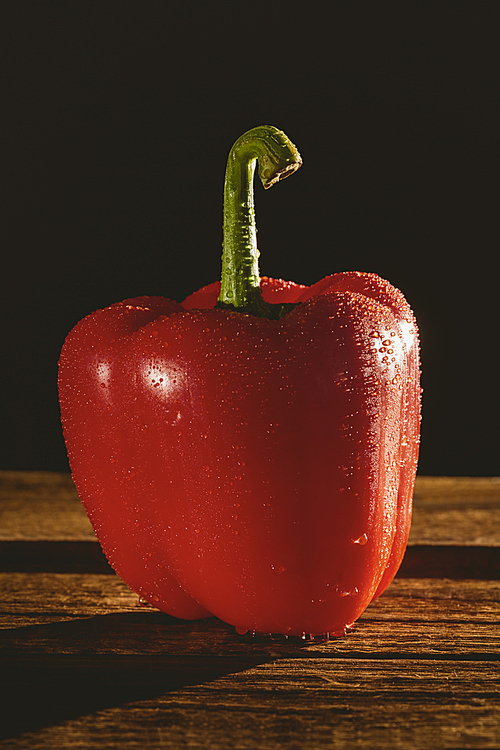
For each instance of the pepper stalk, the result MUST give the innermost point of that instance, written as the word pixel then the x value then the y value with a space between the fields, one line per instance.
pixel 277 158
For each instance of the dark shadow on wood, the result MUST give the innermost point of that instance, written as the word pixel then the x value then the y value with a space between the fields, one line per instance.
pixel 449 561
pixel 40 689
pixel 420 561
pixel 53 557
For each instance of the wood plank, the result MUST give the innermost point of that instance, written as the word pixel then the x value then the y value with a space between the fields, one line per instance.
pixel 456 510
pixel 38 506
pixel 299 703
pixel 54 613
pixel 41 506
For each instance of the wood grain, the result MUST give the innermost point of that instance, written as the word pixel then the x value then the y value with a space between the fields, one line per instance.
pixel 460 511
pixel 41 506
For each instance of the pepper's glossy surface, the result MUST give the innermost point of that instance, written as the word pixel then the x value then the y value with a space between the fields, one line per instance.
pixel 260 470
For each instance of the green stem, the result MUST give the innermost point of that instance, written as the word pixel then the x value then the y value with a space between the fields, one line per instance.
pixel 277 158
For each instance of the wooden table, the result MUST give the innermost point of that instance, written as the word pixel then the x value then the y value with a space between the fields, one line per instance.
pixel 84 665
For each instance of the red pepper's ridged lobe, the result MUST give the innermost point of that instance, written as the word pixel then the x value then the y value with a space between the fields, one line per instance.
pixel 267 466
pixel 373 286
pixel 108 455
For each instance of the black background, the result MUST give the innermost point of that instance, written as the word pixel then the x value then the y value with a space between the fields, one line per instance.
pixel 117 121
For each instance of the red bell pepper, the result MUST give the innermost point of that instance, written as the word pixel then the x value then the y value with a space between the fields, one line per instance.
pixel 250 452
